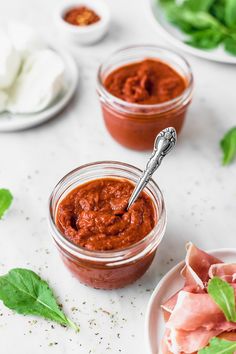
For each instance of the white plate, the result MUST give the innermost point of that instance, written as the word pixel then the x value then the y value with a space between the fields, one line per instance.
pixel 174 36
pixel 169 285
pixel 13 122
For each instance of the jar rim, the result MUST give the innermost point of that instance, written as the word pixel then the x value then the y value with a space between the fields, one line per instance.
pixel 110 254
pixel 129 106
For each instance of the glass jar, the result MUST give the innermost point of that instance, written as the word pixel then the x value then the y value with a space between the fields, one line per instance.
pixel 136 125
pixel 107 269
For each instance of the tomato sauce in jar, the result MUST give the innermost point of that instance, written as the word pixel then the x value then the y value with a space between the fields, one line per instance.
pixel 94 215
pixel 105 245
pixel 146 82
pixel 143 90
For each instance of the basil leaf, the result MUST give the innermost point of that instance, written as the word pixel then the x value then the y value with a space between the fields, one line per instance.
pixel 218 10
pixel 230 45
pixel 5 201
pixel 199 20
pixel 25 292
pixel 230 13
pixel 208 23
pixel 219 346
pixel 175 16
pixel 207 39
pixel 199 5
pixel 228 146
pixel 223 295
pixel 167 2
pixel 193 5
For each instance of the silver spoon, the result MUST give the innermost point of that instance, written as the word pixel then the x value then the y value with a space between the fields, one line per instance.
pixel 164 143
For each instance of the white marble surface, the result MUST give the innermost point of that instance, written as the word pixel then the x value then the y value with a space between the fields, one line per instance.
pixel 200 194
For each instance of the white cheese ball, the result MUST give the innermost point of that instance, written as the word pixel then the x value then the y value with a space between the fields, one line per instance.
pixel 3 101
pixel 39 83
pixel 10 61
pixel 24 38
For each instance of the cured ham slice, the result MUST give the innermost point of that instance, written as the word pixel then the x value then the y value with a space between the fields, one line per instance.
pixel 197 265
pixel 192 317
pixel 192 341
pixel 224 271
pixel 169 305
pixel 228 336
pixel 193 311
pixel 165 345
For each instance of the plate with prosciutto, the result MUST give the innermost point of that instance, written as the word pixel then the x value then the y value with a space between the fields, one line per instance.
pixel 192 310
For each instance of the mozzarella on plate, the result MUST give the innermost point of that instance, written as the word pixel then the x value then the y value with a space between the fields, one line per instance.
pixel 24 38
pixel 9 62
pixel 38 84
pixel 3 101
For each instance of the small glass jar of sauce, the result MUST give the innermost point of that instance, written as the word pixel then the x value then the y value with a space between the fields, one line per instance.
pixel 142 90
pixel 111 264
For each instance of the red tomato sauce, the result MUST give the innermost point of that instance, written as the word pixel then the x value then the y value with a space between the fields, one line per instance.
pixel 143 88
pixel 146 82
pixel 94 215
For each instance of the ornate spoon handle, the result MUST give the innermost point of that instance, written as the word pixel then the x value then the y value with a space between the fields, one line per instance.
pixel 164 143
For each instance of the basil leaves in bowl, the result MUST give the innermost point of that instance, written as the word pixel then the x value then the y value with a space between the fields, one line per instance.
pixel 205 28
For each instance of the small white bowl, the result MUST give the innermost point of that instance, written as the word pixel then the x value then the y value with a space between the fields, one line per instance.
pixel 83 34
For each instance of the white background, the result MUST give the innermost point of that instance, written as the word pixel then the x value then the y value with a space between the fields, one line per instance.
pixel 200 194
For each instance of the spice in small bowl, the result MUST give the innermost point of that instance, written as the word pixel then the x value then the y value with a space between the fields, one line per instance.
pixel 81 16
pixel 83 21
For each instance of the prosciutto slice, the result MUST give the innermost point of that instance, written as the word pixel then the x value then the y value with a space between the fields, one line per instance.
pixel 224 271
pixel 165 343
pixel 193 311
pixel 228 336
pixel 196 338
pixel 197 266
pixel 192 317
pixel 169 305
pixel 192 341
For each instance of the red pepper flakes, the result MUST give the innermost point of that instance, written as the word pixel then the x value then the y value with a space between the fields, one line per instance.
pixel 81 16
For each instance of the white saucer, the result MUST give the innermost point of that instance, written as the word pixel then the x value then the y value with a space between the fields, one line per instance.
pixel 169 285
pixel 12 122
pixel 174 36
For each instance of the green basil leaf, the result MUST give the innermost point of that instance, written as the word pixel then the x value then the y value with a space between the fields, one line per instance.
pixel 218 10
pixel 219 346
pixel 207 39
pixel 167 2
pixel 230 13
pixel 223 295
pixel 204 21
pixel 228 146
pixel 175 15
pixel 198 21
pixel 5 201
pixel 230 45
pixel 25 292
pixel 198 5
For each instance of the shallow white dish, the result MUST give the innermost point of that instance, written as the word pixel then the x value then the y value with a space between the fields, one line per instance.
pixel 174 36
pixel 83 34
pixel 170 284
pixel 13 122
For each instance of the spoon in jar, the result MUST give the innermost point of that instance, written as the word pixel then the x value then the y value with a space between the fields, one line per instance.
pixel 164 143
